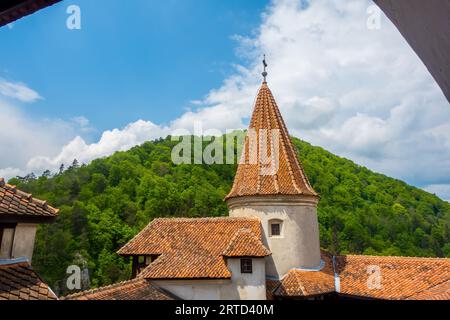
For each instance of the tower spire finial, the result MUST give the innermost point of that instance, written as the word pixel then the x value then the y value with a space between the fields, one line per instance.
pixel 264 74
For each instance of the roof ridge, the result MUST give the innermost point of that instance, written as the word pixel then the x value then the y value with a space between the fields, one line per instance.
pixel 186 219
pixel 272 155
pixel 213 222
pixel 428 288
pixel 258 150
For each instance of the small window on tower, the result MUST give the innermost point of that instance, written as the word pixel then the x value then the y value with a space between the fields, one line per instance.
pixel 275 228
pixel 246 265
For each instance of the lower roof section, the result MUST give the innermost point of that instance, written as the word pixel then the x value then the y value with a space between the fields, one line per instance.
pixel 18 281
pixel 196 248
pixel 369 277
pixel 136 289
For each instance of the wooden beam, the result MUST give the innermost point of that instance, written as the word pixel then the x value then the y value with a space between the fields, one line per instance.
pixel 134 266
pixel 11 10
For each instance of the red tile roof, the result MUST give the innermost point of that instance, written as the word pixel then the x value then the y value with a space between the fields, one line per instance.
pixel 271 286
pixel 352 275
pixel 251 178
pixel 194 248
pixel 400 277
pixel 14 202
pixel 302 283
pixel 438 292
pixel 244 244
pixel 18 281
pixel 136 289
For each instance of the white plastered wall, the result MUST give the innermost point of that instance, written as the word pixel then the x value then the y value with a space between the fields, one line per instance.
pixel 298 246
pixel 241 286
pixel 23 244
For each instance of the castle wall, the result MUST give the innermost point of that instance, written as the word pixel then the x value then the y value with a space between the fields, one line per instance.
pixel 299 244
pixel 242 286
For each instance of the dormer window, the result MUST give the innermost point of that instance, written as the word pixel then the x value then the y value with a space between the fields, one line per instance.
pixel 275 228
pixel 140 263
pixel 246 265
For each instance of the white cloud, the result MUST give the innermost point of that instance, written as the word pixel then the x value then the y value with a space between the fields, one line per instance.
pixel 360 93
pixel 23 137
pixel 82 121
pixel 11 172
pixel 111 141
pixel 18 90
pixel 83 124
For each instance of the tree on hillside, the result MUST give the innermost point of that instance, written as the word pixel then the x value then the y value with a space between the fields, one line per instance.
pixel 104 204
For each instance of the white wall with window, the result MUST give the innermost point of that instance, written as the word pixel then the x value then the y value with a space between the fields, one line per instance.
pixel 275 228
pixel 248 282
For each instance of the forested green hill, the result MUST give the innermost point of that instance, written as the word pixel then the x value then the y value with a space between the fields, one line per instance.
pixel 105 203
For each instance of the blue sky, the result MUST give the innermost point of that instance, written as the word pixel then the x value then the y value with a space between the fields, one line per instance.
pixel 143 70
pixel 145 59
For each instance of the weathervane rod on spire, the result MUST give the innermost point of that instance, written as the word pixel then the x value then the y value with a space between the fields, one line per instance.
pixel 264 74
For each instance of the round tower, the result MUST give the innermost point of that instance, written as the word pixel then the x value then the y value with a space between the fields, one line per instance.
pixel 270 183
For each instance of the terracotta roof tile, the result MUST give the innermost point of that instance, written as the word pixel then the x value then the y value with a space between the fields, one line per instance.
pixel 136 289
pixel 303 283
pixel 438 292
pixel 191 248
pixel 18 281
pixel 400 277
pixel 245 243
pixel 271 286
pixel 19 203
pixel 251 178
pixel 187 265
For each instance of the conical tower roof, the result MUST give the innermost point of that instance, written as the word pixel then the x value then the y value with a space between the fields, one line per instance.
pixel 260 171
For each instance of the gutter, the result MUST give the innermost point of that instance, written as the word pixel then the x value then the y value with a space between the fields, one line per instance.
pixel 337 280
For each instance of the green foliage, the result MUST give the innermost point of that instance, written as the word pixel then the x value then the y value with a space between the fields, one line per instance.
pixel 104 204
